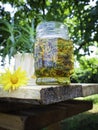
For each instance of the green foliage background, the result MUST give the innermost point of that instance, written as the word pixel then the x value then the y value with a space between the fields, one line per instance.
pixel 87 72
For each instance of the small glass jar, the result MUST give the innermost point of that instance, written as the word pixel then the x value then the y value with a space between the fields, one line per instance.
pixel 54 61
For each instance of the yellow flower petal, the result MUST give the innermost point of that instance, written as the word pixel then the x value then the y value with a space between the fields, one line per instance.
pixel 11 81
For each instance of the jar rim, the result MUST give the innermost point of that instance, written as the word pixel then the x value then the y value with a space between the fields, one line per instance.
pixel 52 28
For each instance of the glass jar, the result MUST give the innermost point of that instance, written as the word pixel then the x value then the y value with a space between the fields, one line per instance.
pixel 54 61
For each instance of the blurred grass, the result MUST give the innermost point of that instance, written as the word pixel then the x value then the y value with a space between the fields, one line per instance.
pixel 86 120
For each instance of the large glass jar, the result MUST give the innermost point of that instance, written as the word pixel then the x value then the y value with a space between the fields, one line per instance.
pixel 53 54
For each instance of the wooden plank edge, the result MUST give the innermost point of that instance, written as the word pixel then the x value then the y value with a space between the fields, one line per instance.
pixel 61 93
pixel 89 89
pixel 50 94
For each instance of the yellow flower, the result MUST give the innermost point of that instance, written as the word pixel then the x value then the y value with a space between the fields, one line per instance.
pixel 11 81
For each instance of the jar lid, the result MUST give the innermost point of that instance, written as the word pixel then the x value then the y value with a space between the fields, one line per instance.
pixel 52 29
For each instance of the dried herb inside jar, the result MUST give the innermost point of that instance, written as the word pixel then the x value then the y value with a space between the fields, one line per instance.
pixel 54 58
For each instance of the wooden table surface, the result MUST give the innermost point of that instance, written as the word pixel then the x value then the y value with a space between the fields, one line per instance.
pixel 22 116
pixel 48 94
pixel 38 106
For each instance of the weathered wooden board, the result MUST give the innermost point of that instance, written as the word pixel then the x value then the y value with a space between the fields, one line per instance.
pixel 89 89
pixel 47 94
pixel 38 117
